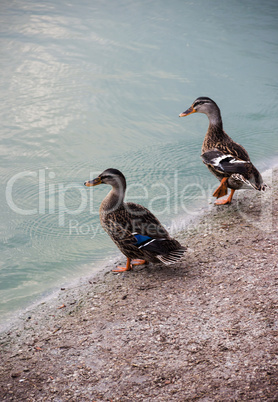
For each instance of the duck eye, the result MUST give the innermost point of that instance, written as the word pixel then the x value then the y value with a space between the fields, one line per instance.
pixel 199 103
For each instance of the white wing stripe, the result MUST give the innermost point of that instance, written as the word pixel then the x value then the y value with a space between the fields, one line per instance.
pixel 219 159
pixel 144 245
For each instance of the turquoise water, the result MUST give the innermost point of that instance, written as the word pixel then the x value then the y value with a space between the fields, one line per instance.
pixel 87 85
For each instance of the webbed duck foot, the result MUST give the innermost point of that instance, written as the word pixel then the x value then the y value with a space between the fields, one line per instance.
pixel 138 262
pixel 128 267
pixel 226 200
pixel 222 189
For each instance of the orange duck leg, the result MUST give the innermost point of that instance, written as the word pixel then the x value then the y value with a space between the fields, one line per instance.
pixel 226 200
pixel 129 264
pixel 123 269
pixel 138 262
pixel 222 189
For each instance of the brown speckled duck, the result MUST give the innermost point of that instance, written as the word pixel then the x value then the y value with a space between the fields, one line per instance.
pixel 133 228
pixel 226 159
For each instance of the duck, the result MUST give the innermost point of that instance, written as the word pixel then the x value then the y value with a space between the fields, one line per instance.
pixel 225 158
pixel 133 228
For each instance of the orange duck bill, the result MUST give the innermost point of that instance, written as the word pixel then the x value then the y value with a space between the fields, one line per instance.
pixel 188 111
pixel 94 182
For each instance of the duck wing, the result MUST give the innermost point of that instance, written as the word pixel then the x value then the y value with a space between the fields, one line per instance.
pixel 151 236
pixel 134 227
pixel 226 163
pixel 230 165
pixel 144 222
pixel 131 219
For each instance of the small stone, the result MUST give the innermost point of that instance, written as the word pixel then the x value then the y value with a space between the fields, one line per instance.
pixel 15 374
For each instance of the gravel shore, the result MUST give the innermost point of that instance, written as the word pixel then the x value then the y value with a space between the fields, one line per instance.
pixel 205 329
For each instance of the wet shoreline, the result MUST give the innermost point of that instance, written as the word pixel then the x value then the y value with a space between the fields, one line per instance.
pixel 204 329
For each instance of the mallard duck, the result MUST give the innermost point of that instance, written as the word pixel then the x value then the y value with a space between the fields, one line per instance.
pixel 133 228
pixel 226 159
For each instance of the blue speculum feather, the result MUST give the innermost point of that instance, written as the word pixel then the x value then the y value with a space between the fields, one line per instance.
pixel 141 239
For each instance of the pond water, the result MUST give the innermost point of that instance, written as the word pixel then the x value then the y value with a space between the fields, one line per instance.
pixel 88 85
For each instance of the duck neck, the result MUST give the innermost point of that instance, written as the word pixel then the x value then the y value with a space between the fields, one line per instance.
pixel 215 119
pixel 215 133
pixel 113 200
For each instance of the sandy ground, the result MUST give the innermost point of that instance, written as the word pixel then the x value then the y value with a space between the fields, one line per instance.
pixel 205 329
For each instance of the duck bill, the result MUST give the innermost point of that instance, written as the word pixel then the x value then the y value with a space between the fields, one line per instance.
pixel 94 182
pixel 188 111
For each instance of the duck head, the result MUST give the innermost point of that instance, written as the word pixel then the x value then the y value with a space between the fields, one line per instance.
pixel 110 176
pixel 205 105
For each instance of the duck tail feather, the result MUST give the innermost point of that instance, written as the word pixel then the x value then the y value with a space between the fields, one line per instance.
pixel 172 257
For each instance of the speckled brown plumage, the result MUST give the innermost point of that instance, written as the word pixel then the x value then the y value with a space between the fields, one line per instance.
pixel 132 227
pixel 225 158
pixel 217 138
pixel 130 218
